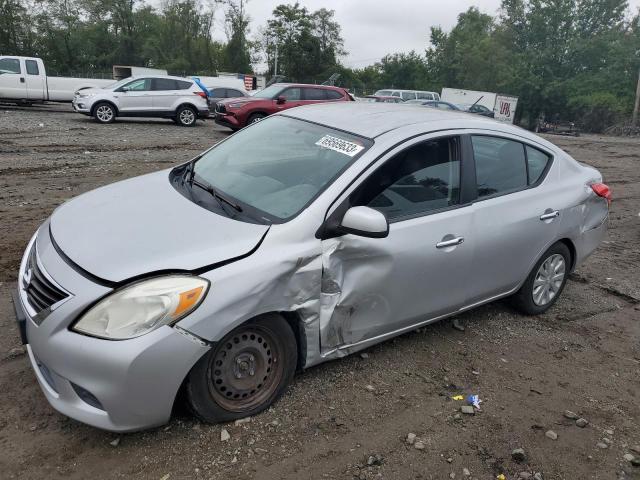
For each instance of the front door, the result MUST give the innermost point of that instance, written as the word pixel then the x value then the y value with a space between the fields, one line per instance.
pixel 372 287
pixel 135 96
pixel 292 96
pixel 12 81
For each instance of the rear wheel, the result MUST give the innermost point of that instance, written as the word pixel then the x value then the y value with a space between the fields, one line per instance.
pixel 104 113
pixel 246 371
pixel 545 283
pixel 186 116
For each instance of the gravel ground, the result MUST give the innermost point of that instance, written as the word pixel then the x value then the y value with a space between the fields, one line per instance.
pixel 349 418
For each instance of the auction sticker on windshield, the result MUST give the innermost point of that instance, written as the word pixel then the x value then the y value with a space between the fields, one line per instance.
pixel 339 145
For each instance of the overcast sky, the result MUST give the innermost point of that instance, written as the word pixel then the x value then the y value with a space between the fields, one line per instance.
pixel 373 28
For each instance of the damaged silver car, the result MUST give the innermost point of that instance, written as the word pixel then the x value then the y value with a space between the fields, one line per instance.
pixel 303 238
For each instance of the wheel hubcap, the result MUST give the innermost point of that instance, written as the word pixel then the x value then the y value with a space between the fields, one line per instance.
pixel 245 370
pixel 549 279
pixel 187 117
pixel 256 120
pixel 104 113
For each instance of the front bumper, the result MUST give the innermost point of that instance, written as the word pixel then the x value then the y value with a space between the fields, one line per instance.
pixel 114 385
pixel 227 120
pixel 81 106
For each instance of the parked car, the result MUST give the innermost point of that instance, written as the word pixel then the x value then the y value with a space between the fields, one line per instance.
pixel 408 94
pixel 24 80
pixel 177 98
pixel 433 104
pixel 221 93
pixel 379 99
pixel 311 235
pixel 477 109
pixel 238 113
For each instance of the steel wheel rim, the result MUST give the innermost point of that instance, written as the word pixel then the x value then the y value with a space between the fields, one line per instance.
pixel 548 280
pixel 104 113
pixel 246 369
pixel 187 117
pixel 256 120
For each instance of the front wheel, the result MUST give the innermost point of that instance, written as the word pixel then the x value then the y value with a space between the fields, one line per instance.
pixel 245 372
pixel 255 118
pixel 104 113
pixel 186 116
pixel 545 283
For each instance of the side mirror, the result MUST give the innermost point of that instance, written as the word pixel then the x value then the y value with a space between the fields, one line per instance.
pixel 280 100
pixel 365 222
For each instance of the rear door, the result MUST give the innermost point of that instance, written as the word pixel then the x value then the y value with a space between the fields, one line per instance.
pixel 515 213
pixel 164 93
pixel 35 80
pixel 12 80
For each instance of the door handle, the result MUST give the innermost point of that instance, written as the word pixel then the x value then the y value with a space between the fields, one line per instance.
pixel 550 215
pixel 21 79
pixel 450 243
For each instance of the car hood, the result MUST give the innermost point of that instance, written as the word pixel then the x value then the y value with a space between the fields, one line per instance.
pixel 92 91
pixel 143 225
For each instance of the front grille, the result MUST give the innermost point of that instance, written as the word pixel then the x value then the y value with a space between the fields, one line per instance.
pixel 41 293
pixel 220 108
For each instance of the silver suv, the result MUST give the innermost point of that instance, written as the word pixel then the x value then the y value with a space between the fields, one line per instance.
pixel 177 98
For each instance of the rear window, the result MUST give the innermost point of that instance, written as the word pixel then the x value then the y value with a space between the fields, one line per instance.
pixel 537 162
pixel 32 67
pixel 183 85
pixel 315 94
pixel 333 95
pixel 408 95
pixel 162 84
pixel 500 165
pixel 279 165
pixel 218 92
pixel 231 93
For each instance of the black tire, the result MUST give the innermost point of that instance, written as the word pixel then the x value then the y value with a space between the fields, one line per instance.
pixel 255 118
pixel 186 116
pixel 524 301
pixel 260 363
pixel 104 112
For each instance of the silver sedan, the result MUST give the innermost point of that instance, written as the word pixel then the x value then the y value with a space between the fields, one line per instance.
pixel 300 239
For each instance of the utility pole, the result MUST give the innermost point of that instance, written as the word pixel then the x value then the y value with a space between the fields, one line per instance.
pixel 634 119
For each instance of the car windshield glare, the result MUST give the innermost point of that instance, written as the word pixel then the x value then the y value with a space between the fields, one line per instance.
pixel 269 92
pixel 279 165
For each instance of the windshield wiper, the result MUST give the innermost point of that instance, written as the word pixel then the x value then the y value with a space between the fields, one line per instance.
pixel 207 187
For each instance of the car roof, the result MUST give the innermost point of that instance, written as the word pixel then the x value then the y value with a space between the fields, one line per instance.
pixel 368 119
pixel 171 77
pixel 307 85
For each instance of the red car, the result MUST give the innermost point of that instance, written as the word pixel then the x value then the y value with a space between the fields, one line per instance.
pixel 236 113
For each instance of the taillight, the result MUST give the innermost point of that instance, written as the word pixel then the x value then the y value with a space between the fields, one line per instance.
pixel 602 190
pixel 201 94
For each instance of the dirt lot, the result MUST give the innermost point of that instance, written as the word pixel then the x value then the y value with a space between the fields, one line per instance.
pixel 583 355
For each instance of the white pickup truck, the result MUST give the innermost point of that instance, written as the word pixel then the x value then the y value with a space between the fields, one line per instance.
pixel 24 80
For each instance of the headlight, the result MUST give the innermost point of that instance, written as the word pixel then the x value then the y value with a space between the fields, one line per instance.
pixel 237 105
pixel 142 307
pixel 86 95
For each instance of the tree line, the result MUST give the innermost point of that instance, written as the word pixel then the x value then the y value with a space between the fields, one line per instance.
pixel 569 59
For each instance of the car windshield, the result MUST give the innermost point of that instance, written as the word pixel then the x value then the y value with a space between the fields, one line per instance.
pixel 269 92
pixel 279 165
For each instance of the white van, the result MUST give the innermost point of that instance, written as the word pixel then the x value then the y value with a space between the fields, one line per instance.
pixel 408 94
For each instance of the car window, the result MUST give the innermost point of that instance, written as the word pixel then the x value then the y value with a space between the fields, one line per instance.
pixel 395 94
pixel 419 180
pixel 333 94
pixel 232 93
pixel 32 67
pixel 280 164
pixel 443 106
pixel 9 65
pixel 163 84
pixel 183 85
pixel 424 95
pixel 500 165
pixel 139 85
pixel 315 94
pixel 291 93
pixel 537 162
pixel 408 95
pixel 383 93
pixel 218 92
